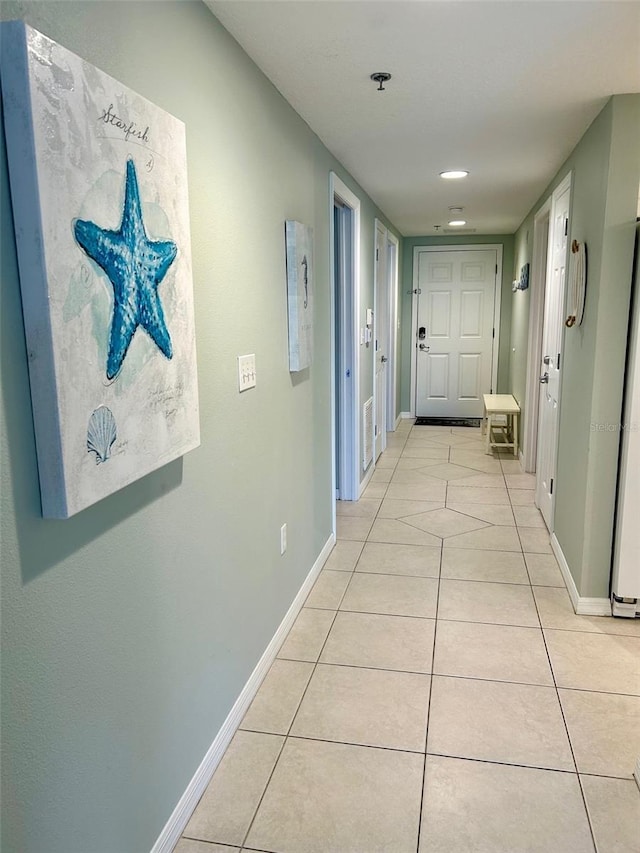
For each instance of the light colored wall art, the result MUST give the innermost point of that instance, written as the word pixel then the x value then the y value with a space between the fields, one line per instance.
pixel 99 191
pixel 299 240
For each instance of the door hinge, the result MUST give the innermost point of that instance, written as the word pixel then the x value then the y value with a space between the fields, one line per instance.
pixel 493 333
pixel 566 226
pixel 377 250
pixel 496 269
pixel 375 430
pixel 551 487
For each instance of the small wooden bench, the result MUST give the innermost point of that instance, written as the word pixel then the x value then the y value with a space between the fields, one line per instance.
pixel 501 433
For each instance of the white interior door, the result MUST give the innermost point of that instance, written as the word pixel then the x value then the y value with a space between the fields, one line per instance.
pixel 393 330
pixel 539 267
pixel 551 352
pixel 455 331
pixel 381 339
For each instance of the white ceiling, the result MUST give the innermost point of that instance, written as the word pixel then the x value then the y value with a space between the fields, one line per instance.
pixel 503 89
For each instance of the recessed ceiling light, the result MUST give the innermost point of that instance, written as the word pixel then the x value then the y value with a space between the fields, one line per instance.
pixel 458 222
pixel 453 174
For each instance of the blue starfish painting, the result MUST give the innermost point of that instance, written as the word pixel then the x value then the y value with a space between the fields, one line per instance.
pixel 135 266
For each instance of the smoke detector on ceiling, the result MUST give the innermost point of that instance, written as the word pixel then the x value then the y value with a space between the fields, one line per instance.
pixel 381 77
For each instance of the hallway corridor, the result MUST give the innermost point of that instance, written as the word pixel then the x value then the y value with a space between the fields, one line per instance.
pixel 437 693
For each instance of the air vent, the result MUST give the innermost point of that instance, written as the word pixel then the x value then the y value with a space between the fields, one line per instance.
pixel 459 230
pixel 367 434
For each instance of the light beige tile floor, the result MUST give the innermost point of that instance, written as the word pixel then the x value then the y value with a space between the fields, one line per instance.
pixel 437 693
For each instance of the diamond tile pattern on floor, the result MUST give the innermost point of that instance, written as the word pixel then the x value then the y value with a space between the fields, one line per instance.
pixel 444 522
pixel 436 692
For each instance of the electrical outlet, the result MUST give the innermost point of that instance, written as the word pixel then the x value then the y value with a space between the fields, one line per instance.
pixel 283 538
pixel 246 372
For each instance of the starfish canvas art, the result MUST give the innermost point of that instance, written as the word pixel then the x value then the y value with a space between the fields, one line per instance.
pixel 135 266
pixel 100 205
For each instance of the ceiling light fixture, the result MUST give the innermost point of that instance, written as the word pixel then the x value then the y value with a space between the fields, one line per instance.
pixel 454 174
pixel 455 210
pixel 381 77
pixel 458 222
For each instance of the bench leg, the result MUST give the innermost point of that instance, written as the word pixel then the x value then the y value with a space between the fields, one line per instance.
pixel 488 433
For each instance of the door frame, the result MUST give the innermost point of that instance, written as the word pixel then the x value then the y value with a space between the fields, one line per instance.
pixel 393 250
pixel 450 247
pixel 345 351
pixel 565 184
pixel 380 292
pixel 539 261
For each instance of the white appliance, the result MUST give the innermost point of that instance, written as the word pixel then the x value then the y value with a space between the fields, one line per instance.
pixel 625 581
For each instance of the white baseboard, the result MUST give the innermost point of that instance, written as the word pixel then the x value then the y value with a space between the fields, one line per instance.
pixel 583 606
pixel 593 607
pixel 636 772
pixel 176 824
pixel 365 481
pixel 572 589
pixel 407 415
pixel 398 422
pixel 521 459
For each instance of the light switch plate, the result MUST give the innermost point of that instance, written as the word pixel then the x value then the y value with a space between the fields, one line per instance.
pixel 246 372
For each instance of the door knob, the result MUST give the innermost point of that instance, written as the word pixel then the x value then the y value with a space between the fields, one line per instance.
pixel 383 359
pixel 544 378
pixel 424 347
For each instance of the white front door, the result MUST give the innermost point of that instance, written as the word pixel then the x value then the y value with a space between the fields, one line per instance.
pixel 551 351
pixel 455 331
pixel 380 340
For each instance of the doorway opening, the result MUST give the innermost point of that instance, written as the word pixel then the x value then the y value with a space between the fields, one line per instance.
pixel 345 273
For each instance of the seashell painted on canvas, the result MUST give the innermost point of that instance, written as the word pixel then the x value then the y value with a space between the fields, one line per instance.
pixel 101 433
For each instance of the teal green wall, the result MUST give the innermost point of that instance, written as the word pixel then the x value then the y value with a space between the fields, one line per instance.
pixel 129 630
pixel 408 334
pixel 605 168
